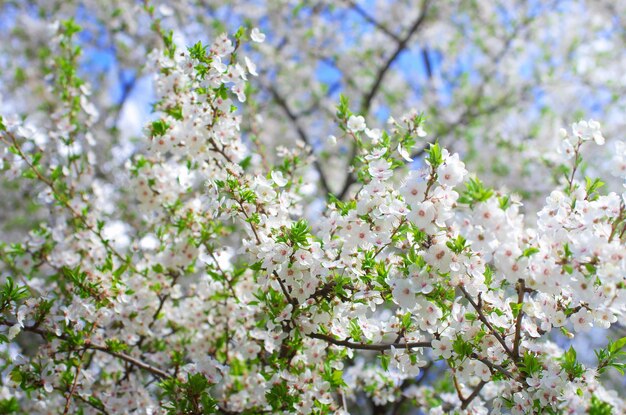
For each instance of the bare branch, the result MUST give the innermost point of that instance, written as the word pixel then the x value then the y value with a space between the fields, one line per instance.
pixel 427 64
pixel 46 334
pixel 368 99
pixel 365 346
pixel 473 395
pixel 486 322
pixel 521 288
pixel 400 47
pixel 373 21
pixel 303 136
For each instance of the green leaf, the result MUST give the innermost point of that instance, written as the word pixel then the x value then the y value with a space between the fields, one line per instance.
pixel 355 330
pixel 159 128
pixel 384 361
pixel 599 407
pixel 457 245
pixel 343 109
pixel 9 406
pixel 516 308
pixel 245 163
pixel 570 365
pixel 279 398
pixel 530 251
pixel 299 233
pixel 475 192
pixel 504 202
pixel 175 112
pixel 592 186
pixel 435 156
pixel 70 27
pixel 530 364
pixel 116 345
pixel 198 51
pixel 170 46
pixel 462 348
pixel 617 345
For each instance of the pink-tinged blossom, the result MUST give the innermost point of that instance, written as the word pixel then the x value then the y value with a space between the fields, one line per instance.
pixel 404 293
pixel 380 169
pixel 588 130
pixel 443 347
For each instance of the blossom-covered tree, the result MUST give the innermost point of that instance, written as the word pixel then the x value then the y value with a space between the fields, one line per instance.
pixel 331 207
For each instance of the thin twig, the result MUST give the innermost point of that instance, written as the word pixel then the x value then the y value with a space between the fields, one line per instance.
pixel 473 395
pixel 521 288
pixel 301 133
pixel 45 334
pixel 486 322
pixel 365 15
pixel 400 47
pixel 368 99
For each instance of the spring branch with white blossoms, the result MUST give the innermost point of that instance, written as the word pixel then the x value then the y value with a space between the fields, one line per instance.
pixel 232 299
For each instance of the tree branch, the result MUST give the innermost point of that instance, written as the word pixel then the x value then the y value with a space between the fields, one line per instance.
pixel 45 334
pixel 521 288
pixel 473 395
pixel 494 367
pixel 366 103
pixel 400 47
pixel 373 21
pixel 486 322
pixel 365 346
pixel 303 136
pixel 427 64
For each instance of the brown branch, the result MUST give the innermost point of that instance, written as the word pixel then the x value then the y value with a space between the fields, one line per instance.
pixel 486 322
pixel 521 288
pixel 465 402
pixel 350 180
pixel 373 21
pixel 395 231
pixel 45 334
pixel 427 65
pixel 163 298
pixel 365 346
pixel 127 88
pixel 72 391
pixel 494 367
pixel 400 47
pixel 86 401
pixel 243 210
pixel 457 387
pixel 471 108
pixel 303 136
pixel 366 103
pixel 326 289
pixel 64 201
pixel 615 226
pixel 283 288
pixel 136 362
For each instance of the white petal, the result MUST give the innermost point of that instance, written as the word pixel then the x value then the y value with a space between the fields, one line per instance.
pixel 278 178
pixel 256 35
pixel 251 66
pixel 14 331
pixel 165 10
pixel 403 153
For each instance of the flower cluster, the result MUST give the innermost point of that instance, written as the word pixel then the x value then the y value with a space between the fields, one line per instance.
pixel 203 283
